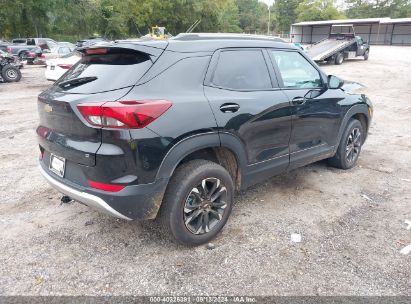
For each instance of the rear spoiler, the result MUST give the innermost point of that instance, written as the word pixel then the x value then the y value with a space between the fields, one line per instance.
pixel 152 48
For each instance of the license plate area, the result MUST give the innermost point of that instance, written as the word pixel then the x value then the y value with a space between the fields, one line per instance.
pixel 57 165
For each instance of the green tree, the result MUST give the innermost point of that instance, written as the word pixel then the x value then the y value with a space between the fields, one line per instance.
pixel 285 12
pixel 378 8
pixel 314 10
pixel 253 16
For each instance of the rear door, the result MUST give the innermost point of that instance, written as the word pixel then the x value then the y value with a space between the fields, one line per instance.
pixel 101 77
pixel 247 103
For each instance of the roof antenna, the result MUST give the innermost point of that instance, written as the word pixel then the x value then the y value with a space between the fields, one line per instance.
pixel 193 26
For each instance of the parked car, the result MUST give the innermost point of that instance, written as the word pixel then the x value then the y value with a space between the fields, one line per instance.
pixel 171 129
pixel 55 68
pixel 9 68
pixel 57 52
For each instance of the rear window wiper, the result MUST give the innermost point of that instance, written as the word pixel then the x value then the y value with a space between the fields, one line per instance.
pixel 75 82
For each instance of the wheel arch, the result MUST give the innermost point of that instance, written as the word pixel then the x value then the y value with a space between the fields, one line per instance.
pixel 227 152
pixel 359 112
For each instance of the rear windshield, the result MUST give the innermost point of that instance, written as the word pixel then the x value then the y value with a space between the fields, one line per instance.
pixel 117 69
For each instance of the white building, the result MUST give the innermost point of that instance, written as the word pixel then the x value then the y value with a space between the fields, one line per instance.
pixel 374 30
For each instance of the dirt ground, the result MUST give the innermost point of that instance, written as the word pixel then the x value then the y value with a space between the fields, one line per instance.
pixel 351 222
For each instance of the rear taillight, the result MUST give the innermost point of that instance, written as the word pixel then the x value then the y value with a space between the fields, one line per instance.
pixel 9 50
pixel 65 66
pixel 105 187
pixel 31 54
pixel 123 114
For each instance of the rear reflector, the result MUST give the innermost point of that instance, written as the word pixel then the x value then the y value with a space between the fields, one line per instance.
pixel 123 114
pixel 65 66
pixel 105 187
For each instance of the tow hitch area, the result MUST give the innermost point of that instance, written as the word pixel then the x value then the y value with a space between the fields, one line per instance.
pixel 66 200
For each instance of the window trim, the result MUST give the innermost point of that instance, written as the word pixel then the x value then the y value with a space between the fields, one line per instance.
pixel 280 78
pixel 275 85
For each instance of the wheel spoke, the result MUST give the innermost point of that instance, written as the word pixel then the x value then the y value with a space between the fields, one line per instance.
pixel 199 226
pixel 216 185
pixel 348 150
pixel 193 216
pixel 206 221
pixel 216 214
pixel 219 205
pixel 218 194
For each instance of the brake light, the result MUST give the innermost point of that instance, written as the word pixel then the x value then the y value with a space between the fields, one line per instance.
pixel 96 51
pixel 105 187
pixel 65 66
pixel 123 114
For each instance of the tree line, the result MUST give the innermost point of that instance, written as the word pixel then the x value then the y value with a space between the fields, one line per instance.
pixel 70 20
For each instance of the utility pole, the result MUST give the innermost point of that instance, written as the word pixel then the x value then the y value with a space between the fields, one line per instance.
pixel 269 20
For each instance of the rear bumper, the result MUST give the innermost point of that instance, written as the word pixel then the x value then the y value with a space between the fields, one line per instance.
pixel 83 197
pixel 137 202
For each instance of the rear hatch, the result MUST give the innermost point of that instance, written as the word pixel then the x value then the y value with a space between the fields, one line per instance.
pixel 103 74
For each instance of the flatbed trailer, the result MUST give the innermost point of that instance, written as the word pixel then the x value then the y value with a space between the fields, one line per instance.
pixel 340 45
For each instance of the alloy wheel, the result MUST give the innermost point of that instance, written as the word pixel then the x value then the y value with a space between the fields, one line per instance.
pixel 353 147
pixel 205 206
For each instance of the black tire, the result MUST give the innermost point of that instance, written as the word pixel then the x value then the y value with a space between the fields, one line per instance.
pixel 339 59
pixel 182 202
pixel 349 142
pixel 10 73
pixel 366 54
pixel 329 60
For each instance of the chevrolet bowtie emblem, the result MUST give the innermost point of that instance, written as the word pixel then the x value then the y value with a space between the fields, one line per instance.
pixel 48 108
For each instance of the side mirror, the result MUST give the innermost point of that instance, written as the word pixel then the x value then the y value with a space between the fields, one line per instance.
pixel 334 82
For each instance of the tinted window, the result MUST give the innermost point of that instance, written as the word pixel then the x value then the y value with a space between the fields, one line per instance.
pixel 296 71
pixel 104 72
pixel 242 70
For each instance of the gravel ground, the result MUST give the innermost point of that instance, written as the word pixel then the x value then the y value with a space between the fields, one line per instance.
pixel 351 222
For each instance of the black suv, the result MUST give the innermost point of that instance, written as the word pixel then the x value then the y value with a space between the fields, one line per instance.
pixel 171 129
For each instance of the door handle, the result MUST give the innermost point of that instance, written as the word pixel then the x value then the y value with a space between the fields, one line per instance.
pixel 298 100
pixel 229 107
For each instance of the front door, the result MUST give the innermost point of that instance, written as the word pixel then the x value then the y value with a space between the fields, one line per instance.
pixel 247 103
pixel 316 113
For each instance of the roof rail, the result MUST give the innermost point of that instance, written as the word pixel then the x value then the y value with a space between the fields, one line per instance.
pixel 223 36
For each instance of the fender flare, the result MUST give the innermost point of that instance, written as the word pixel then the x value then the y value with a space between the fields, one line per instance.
pixel 198 142
pixel 356 109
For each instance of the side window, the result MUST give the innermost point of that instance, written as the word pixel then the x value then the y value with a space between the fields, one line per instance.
pixel 242 70
pixel 296 71
pixel 360 41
